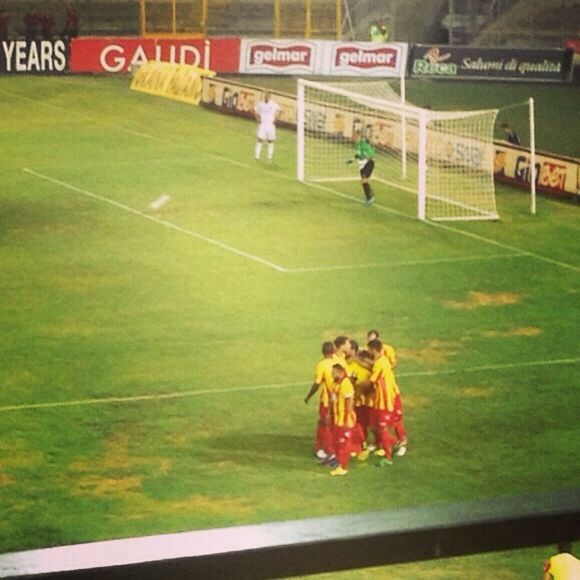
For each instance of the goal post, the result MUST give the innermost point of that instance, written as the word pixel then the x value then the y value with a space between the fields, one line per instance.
pixel 517 159
pixel 300 120
pixel 445 159
pixel 532 121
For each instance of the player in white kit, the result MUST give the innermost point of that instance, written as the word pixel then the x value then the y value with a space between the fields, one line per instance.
pixel 267 113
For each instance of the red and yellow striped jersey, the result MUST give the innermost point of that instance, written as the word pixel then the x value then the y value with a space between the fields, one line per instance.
pixel 386 388
pixel 339 359
pixel 323 378
pixel 389 352
pixel 342 392
pixel 563 567
pixel 360 374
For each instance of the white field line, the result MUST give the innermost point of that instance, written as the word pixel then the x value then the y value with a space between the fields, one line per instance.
pixel 138 398
pixel 96 164
pixel 332 191
pixel 498 367
pixel 156 220
pixel 403 264
pixel 439 225
pixel 274 386
pixel 94 119
pixel 253 257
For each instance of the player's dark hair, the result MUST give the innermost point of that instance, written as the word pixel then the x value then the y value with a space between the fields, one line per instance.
pixel 327 348
pixel 505 126
pixel 337 367
pixel 364 354
pixel 354 345
pixel 340 341
pixel 376 345
pixel 375 332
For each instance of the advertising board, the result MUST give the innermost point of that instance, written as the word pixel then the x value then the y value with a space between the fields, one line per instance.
pixel 322 57
pixel 511 64
pixel 40 56
pixel 120 55
pixel 553 174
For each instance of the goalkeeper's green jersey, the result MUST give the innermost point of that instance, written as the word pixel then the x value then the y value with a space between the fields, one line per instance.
pixel 363 151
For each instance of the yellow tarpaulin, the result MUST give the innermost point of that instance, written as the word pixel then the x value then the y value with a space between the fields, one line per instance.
pixel 181 82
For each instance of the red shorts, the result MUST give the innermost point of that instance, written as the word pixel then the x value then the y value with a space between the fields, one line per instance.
pixel 324 414
pixel 384 417
pixel 363 415
pixel 341 433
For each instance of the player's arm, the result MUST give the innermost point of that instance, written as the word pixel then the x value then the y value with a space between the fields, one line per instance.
pixel 278 115
pixel 313 390
pixel 356 155
pixel 257 115
pixel 349 405
pixel 391 357
pixel 364 387
pixel 376 372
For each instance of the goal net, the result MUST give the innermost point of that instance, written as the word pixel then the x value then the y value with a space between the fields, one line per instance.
pixel 445 159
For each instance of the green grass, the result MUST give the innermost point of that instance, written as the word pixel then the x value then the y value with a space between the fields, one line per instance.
pixel 99 302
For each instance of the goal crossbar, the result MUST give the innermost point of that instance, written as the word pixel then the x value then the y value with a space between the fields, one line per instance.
pixel 382 105
pixel 445 158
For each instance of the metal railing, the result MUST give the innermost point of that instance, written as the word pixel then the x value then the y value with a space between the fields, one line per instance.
pixel 310 546
pixel 271 18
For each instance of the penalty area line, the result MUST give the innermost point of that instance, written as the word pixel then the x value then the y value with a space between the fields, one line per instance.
pixel 390 210
pixel 498 367
pixel 139 398
pixel 156 220
pixel 275 386
pixel 434 261
pixel 330 190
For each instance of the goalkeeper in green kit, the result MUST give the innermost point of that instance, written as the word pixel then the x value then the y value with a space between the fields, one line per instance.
pixel 363 155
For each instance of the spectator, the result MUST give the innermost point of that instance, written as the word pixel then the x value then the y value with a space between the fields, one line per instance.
pixel 562 567
pixel 3 25
pixel 511 135
pixel 379 32
pixel 71 24
pixel 32 25
pixel 46 26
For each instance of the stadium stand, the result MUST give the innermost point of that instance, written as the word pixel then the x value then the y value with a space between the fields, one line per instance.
pixel 538 23
pixel 96 17
pixel 408 20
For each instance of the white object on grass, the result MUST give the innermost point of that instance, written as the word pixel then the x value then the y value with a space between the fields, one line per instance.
pixel 159 202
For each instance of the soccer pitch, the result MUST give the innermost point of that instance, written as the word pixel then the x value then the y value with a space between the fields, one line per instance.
pixel 154 364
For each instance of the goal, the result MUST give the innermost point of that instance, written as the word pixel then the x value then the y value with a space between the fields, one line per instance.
pixel 445 159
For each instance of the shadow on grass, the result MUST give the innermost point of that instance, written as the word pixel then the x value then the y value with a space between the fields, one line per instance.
pixel 267 448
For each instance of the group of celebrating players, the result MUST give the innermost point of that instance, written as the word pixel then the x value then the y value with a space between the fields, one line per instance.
pixel 358 394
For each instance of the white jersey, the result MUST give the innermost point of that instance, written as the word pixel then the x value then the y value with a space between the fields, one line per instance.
pixel 267 112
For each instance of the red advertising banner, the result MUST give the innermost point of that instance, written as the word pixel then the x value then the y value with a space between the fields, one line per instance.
pixel 119 55
pixel 554 175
